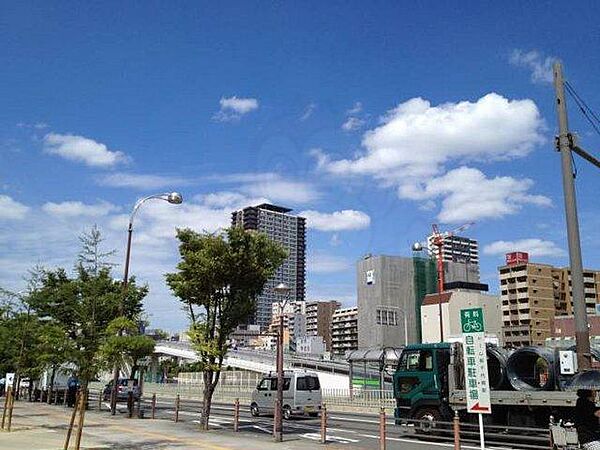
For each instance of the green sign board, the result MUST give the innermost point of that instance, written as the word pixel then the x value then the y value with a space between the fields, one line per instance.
pixel 477 384
pixel 471 320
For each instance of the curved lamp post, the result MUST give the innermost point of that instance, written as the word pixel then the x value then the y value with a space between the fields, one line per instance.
pixel 174 198
pixel 283 290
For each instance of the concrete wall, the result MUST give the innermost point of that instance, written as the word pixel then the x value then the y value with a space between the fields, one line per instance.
pixel 492 313
pixel 392 287
pixel 460 271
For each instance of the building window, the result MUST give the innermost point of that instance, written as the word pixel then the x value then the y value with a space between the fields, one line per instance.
pixel 387 317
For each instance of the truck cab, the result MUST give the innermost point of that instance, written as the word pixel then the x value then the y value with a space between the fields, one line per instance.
pixel 421 382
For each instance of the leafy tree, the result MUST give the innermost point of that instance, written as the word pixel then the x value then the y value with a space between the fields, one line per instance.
pixel 91 257
pixel 124 345
pixel 54 348
pixel 222 274
pixel 83 307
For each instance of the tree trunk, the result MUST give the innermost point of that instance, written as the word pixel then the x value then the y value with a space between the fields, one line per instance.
pixel 206 399
pixel 51 386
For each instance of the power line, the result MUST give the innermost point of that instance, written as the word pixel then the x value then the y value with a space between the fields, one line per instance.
pixel 584 108
pixel 572 89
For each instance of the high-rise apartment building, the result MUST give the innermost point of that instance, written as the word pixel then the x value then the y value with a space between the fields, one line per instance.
pixel 288 230
pixel 527 296
pixel 534 294
pixel 318 319
pixel 344 330
pixel 458 249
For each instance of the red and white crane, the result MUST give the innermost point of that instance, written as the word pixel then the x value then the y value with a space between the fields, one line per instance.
pixel 438 241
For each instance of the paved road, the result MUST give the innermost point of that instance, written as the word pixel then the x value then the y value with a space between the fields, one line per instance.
pixel 344 429
pixel 41 427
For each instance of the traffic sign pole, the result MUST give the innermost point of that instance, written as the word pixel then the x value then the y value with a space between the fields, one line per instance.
pixel 477 386
pixel 481 437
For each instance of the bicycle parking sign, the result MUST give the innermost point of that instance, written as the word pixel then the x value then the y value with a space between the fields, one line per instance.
pixel 477 384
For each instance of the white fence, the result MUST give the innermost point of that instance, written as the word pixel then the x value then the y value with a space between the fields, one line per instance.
pixel 229 392
pixel 241 379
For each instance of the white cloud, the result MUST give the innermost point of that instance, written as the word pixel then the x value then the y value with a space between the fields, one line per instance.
pixel 416 142
pixel 308 111
pixel 347 219
pixel 82 149
pixel 352 124
pixel 540 66
pixel 232 108
pixel 535 247
pixel 230 199
pixel 322 263
pixel 469 195
pixel 357 108
pixel 35 126
pixel 417 139
pixel 141 181
pixel 11 209
pixel 280 190
pixel 353 120
pixel 78 209
pixel 335 240
pixel 269 185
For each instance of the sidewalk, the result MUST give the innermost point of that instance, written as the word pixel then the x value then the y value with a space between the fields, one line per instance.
pixel 42 427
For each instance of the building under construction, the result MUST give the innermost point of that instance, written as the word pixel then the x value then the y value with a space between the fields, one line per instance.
pixel 390 292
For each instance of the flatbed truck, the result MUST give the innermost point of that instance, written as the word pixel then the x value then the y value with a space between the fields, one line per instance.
pixel 429 386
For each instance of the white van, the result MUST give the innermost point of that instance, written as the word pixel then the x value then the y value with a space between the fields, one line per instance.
pixel 301 394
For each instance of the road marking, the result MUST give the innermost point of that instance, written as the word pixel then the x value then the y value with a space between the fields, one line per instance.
pixel 438 444
pixel 347 419
pixel 340 430
pixel 258 427
pixel 338 439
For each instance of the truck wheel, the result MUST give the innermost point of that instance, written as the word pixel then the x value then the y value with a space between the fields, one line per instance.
pixel 426 418
pixel 254 410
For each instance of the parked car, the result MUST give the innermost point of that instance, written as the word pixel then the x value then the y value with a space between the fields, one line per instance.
pixel 301 394
pixel 124 385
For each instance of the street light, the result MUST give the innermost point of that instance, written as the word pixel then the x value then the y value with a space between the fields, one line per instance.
pixel 283 290
pixel 174 198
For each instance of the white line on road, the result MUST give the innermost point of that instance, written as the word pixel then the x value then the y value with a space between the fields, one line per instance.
pixel 438 444
pixel 330 438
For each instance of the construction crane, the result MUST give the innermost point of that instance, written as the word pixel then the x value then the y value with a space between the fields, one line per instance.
pixel 438 241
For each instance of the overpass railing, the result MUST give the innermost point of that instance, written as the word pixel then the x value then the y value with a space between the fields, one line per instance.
pixel 367 398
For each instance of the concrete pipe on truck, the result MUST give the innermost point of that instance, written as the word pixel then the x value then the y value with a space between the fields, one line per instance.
pixel 496 362
pixel 532 369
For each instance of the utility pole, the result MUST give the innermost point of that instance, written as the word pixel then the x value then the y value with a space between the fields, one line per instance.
pixel 565 145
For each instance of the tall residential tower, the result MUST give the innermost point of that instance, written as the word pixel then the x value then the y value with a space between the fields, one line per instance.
pixel 288 230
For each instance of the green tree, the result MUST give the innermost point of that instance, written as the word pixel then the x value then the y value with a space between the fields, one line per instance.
pixel 91 257
pixel 125 345
pixel 222 274
pixel 83 307
pixel 54 349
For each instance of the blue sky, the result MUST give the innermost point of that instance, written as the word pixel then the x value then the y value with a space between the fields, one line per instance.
pixel 374 119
